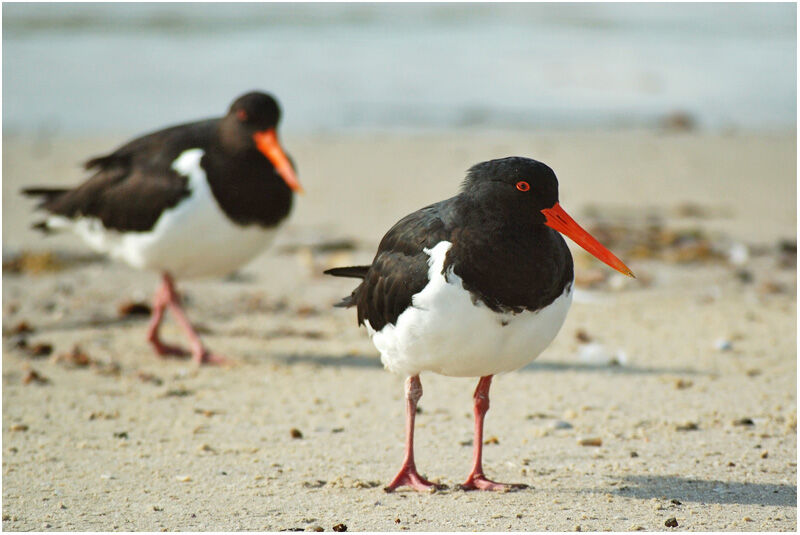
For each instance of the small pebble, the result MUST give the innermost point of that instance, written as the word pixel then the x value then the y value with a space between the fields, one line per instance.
pixel 738 254
pixel 132 308
pixel 76 357
pixel 295 433
pixel 723 344
pixel 671 522
pixel 591 441
pixel 146 377
pixel 178 393
pixel 560 424
pixel 339 527
pixel 688 426
pixel 34 377
pixel 765 454
pixel 183 479
pixel 771 287
pixel 747 519
pixel 744 421
pixel 582 336
pixel 157 508
pixel 634 454
pixel 676 502
pixel 682 384
pixel 597 354
pixel 23 327
pixel 18 427
pixel 42 349
pixel 492 440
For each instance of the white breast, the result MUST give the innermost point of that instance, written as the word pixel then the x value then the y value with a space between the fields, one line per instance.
pixel 445 332
pixel 192 239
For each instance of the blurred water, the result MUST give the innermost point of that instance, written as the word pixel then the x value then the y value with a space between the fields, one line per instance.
pixel 133 67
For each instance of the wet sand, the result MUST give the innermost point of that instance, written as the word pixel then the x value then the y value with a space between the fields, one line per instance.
pixel 696 416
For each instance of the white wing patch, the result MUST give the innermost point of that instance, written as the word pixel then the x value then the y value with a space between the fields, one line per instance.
pixel 192 239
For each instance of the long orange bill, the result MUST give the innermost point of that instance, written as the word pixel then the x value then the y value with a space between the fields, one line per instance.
pixel 267 144
pixel 560 220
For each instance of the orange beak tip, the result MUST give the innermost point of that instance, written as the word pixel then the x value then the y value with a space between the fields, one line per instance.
pixel 557 219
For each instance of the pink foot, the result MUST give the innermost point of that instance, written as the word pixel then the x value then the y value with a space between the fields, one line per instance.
pixel 167 350
pixel 479 482
pixel 408 476
pixel 166 296
pixel 476 480
pixel 205 357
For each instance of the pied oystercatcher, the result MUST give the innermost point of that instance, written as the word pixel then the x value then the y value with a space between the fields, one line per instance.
pixel 473 286
pixel 198 199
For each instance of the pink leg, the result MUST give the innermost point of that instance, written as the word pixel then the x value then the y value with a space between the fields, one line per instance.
pixel 408 474
pixel 476 480
pixel 167 296
pixel 160 302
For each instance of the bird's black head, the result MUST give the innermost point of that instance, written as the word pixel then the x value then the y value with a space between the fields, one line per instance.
pixel 520 187
pixel 524 193
pixel 250 126
pixel 255 111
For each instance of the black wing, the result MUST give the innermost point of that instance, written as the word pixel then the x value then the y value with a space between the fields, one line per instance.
pixel 132 186
pixel 400 267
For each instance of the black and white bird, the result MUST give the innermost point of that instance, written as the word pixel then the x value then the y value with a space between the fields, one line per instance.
pixel 194 200
pixel 473 286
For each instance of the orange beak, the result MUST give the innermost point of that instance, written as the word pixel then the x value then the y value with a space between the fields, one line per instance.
pixel 267 144
pixel 560 220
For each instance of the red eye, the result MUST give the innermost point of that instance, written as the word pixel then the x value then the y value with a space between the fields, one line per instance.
pixel 241 115
pixel 523 186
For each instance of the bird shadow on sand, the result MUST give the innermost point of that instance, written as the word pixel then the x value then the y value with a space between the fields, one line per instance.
pixel 551 366
pixel 707 491
pixel 82 324
pixel 370 361
pixel 348 361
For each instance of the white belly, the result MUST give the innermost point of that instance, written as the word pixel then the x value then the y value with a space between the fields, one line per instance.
pixel 445 332
pixel 192 239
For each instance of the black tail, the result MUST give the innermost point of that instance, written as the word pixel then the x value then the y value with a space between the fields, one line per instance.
pixel 46 194
pixel 356 272
pixel 41 226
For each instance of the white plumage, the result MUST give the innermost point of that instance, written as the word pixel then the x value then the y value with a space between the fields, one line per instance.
pixel 192 239
pixel 445 332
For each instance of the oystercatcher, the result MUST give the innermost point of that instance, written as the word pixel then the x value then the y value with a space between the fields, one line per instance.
pixel 198 199
pixel 473 286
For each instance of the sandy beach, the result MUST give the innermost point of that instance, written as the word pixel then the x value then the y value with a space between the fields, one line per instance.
pixel 669 397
